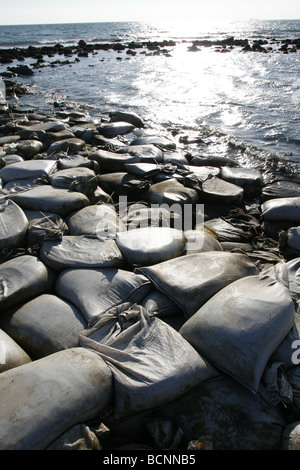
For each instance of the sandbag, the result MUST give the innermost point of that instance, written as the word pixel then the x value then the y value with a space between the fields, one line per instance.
pixel 150 245
pixel 139 216
pixel 46 198
pixel 198 241
pixel 11 353
pixel 21 279
pixel 17 186
pixel 122 184
pixel 113 129
pixel 42 399
pixel 44 325
pixel 241 326
pixel 80 251
pixel 45 227
pixel 285 208
pixel 77 161
pixel 203 172
pixel 146 153
pixel 242 176
pixel 279 189
pixel 171 192
pixel 94 291
pixel 215 190
pixel 28 169
pixel 13 225
pixel 150 361
pixel 82 180
pixel 160 141
pixel 232 229
pixel 131 118
pixel 99 220
pixel 111 161
pixel 191 280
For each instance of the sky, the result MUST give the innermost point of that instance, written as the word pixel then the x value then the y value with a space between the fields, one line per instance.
pixel 78 11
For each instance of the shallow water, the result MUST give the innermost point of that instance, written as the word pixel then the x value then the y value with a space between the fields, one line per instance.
pixel 234 99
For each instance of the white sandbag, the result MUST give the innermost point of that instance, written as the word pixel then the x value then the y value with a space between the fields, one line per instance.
pixel 46 198
pixel 198 241
pixel 44 325
pixel 28 169
pixel 21 279
pixel 240 327
pixel 94 291
pixel 171 192
pixel 99 220
pixel 80 179
pixel 42 399
pixel 13 225
pixel 191 280
pixel 150 245
pixel 11 353
pixel 80 251
pixel 151 363
pixel 285 208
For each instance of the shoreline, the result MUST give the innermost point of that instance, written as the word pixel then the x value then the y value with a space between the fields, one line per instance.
pixel 55 165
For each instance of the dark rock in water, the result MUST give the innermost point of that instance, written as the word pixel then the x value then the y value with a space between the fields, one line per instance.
pixel 21 70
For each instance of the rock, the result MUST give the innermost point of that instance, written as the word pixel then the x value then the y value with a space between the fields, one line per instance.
pixel 67 145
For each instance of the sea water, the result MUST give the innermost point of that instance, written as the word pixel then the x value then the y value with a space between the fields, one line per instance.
pixel 234 100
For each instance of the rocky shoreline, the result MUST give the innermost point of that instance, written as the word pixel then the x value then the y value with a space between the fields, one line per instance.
pixel 204 245
pixel 43 54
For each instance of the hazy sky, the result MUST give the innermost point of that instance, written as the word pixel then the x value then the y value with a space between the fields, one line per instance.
pixel 77 11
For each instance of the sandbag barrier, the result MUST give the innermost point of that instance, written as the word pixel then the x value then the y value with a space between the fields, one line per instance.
pixel 148 294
